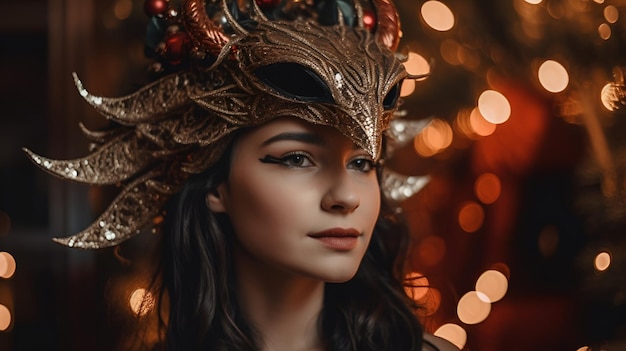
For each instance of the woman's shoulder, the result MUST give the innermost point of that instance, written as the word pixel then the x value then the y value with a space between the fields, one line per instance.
pixel 435 343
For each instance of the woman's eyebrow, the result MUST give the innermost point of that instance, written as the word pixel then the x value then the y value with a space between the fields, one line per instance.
pixel 305 137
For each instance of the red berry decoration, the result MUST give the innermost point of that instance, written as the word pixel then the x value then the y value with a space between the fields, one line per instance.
pixel 176 47
pixel 155 7
pixel 267 4
pixel 369 19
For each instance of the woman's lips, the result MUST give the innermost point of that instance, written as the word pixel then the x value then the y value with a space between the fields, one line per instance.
pixel 338 239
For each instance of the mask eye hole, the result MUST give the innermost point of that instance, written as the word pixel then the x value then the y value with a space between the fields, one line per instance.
pixel 294 81
pixel 391 100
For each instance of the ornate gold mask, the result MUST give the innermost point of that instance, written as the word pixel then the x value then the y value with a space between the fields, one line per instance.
pixel 337 75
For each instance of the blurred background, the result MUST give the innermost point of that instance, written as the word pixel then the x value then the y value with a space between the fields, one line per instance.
pixel 520 233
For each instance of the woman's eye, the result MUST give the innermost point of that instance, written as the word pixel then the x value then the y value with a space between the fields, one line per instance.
pixel 362 164
pixel 297 160
pixel 289 160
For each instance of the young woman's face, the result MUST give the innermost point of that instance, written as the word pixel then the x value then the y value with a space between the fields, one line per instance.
pixel 302 199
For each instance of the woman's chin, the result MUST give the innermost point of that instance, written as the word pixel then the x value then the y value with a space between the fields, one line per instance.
pixel 339 276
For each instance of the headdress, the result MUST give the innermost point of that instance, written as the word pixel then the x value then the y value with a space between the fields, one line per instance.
pixel 321 61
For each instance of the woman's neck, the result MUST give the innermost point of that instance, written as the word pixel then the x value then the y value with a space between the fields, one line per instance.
pixel 283 307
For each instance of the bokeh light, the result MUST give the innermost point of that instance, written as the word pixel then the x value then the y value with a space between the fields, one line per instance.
pixel 555 10
pixel 408 87
pixel 611 14
pixel 602 261
pixel 612 96
pixel 480 126
pixel 472 308
pixel 553 76
pixel 487 188
pixel 604 31
pixel 122 9
pixel 493 284
pixel 534 2
pixel 5 318
pixel 434 138
pixel 449 50
pixel 462 124
pixel 416 64
pixel 471 216
pixel 7 265
pixel 453 333
pixel 141 302
pixel 437 15
pixel 416 286
pixel 494 107
pixel 469 58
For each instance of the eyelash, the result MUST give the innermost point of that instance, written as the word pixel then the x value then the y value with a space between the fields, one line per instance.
pixel 286 159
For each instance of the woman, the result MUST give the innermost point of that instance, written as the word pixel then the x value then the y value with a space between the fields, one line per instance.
pixel 260 145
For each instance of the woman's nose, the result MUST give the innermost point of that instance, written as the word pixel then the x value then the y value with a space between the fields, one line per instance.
pixel 342 196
